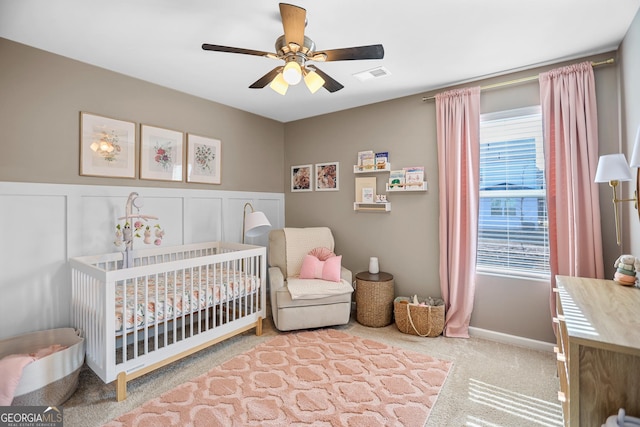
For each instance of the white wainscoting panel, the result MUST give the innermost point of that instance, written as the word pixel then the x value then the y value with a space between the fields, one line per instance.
pixel 205 219
pixel 33 262
pixel 43 225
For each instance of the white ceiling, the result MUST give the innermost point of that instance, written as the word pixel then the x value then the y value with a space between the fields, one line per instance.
pixel 428 44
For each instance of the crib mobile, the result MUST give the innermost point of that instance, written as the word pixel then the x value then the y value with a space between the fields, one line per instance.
pixel 134 225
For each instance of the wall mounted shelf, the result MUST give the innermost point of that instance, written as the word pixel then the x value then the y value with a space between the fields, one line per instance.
pixel 372 207
pixel 357 169
pixel 402 188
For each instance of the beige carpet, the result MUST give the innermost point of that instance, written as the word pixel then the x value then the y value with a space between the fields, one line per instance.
pixel 490 384
pixel 320 377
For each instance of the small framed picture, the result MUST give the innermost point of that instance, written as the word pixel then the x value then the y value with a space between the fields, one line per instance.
pixel 204 157
pixel 301 178
pixel 368 195
pixel 160 154
pixel 107 147
pixel 327 176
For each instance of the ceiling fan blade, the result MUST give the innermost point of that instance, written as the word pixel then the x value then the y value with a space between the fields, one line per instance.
pixel 266 79
pixel 218 48
pixel 374 51
pixel 293 22
pixel 329 83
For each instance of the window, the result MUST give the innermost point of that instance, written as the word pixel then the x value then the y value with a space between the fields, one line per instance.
pixel 513 233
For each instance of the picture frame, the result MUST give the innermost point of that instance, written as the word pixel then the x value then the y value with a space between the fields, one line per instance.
pixel 301 178
pixel 107 146
pixel 161 153
pixel 368 194
pixel 327 176
pixel 204 157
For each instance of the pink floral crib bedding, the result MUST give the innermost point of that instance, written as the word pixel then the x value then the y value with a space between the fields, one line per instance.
pixel 170 295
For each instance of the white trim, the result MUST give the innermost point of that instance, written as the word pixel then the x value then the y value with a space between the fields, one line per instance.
pixel 511 339
pixel 514 112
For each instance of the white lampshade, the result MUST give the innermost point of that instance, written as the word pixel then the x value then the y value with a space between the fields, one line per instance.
pixel 279 84
pixel 635 157
pixel 613 167
pixel 255 224
pixel 313 81
pixel 292 73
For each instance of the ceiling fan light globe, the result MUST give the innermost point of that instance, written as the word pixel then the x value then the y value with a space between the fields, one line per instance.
pixel 292 73
pixel 313 81
pixel 279 84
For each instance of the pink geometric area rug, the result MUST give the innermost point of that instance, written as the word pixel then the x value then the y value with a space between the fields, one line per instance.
pixel 321 377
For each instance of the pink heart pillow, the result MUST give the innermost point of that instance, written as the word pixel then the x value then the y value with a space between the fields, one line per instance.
pixel 313 268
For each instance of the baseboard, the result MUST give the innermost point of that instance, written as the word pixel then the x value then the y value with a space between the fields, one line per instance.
pixel 511 339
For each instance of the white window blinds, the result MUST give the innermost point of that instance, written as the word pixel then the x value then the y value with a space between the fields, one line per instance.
pixel 513 234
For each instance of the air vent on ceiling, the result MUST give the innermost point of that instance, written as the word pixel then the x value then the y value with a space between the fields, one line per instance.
pixel 374 73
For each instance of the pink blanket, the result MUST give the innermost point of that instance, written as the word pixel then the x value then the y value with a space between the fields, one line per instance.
pixel 11 370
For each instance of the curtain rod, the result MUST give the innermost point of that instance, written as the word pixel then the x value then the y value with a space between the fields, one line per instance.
pixel 522 80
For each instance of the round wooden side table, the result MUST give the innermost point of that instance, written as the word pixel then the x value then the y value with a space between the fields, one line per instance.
pixel 374 299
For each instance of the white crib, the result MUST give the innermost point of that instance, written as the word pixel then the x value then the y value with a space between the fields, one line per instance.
pixel 173 302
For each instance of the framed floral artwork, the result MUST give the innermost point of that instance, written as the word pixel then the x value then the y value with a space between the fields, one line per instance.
pixel 301 178
pixel 160 153
pixel 107 147
pixel 204 158
pixel 327 176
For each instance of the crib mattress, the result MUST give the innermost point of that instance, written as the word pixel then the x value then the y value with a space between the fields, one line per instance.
pixel 172 294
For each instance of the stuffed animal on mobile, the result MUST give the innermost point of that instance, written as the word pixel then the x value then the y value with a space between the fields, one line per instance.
pixel 626 267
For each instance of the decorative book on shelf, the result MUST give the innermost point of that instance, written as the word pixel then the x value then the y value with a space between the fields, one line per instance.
pixel 382 159
pixel 413 176
pixel 367 195
pixel 366 160
pixel 396 178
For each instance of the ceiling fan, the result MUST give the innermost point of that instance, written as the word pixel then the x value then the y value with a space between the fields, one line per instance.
pixel 296 50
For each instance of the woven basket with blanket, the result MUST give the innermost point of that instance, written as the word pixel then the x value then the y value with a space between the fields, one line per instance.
pixel 425 319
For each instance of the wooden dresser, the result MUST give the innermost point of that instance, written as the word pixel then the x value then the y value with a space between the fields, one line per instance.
pixel 598 349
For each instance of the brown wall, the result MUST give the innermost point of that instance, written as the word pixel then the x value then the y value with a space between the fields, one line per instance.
pixel 406 239
pixel 42 95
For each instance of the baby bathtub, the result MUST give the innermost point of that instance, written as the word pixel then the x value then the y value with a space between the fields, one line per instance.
pixel 51 380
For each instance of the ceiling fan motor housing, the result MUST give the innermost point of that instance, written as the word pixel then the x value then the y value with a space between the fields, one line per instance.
pixel 286 50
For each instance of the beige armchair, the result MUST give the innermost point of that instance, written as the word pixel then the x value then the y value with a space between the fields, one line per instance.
pixel 311 303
